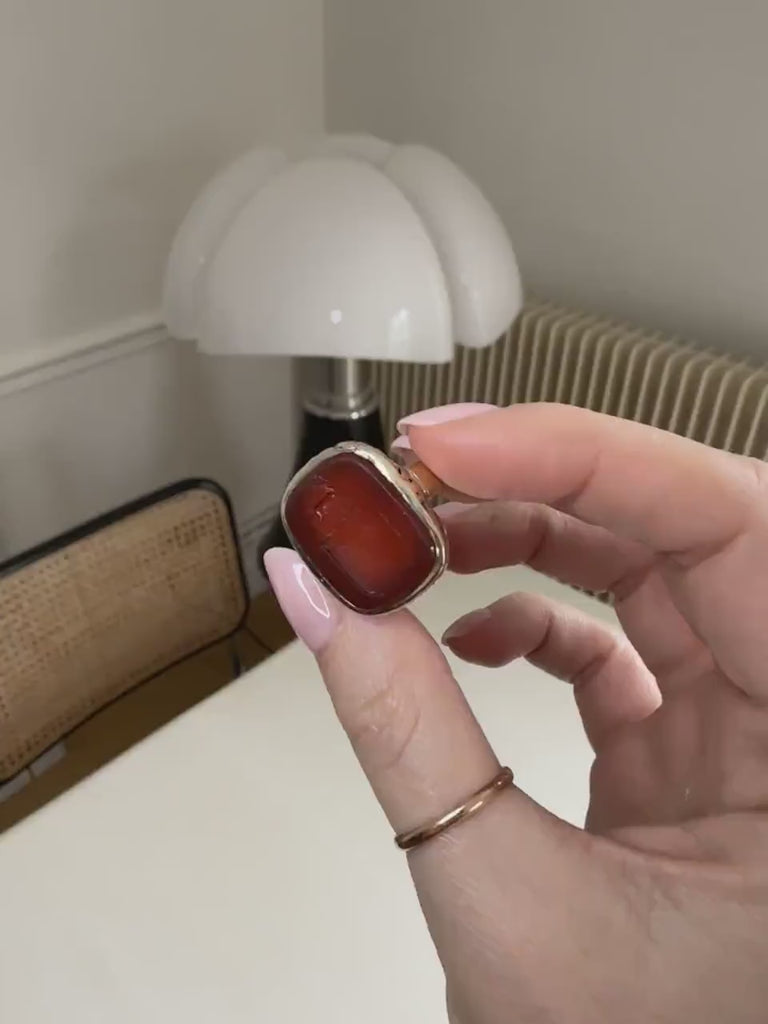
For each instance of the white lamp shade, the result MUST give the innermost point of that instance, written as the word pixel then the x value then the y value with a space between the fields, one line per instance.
pixel 328 258
pixel 203 229
pixel 342 246
pixel 477 259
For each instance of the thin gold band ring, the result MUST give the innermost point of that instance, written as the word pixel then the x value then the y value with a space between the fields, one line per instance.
pixel 468 809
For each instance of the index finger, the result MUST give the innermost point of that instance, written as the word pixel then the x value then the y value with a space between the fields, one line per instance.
pixel 645 484
pixel 702 510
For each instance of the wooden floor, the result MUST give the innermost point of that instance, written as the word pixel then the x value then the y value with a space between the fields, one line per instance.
pixel 149 707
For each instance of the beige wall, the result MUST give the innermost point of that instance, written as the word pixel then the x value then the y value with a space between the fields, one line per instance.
pixel 624 141
pixel 113 113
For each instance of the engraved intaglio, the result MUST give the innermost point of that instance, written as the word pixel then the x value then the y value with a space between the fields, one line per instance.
pixel 365 527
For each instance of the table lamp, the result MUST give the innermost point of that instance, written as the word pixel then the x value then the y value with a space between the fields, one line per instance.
pixel 341 251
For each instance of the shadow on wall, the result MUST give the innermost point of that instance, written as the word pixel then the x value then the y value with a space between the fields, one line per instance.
pixel 85 442
pixel 81 443
pixel 110 256
pixel 197 406
pixel 32 483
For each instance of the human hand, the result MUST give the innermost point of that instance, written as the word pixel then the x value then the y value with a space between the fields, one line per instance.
pixel 658 910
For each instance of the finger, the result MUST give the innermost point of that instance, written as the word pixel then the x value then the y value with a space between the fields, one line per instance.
pixel 702 510
pixel 499 533
pixel 638 482
pixel 400 450
pixel 611 684
pixel 443 414
pixel 494 534
pixel 409 723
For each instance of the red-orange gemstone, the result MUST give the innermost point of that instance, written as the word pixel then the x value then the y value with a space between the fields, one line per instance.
pixel 357 533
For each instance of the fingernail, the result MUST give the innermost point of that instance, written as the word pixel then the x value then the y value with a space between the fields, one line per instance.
pixel 451 508
pixel 401 451
pixel 400 444
pixel 310 609
pixel 466 624
pixel 444 414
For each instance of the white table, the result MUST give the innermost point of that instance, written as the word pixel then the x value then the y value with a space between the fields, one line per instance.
pixel 200 877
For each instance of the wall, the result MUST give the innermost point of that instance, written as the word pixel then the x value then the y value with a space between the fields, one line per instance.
pixel 113 115
pixel 623 142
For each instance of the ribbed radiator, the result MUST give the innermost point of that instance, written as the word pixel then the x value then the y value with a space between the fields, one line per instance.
pixel 559 355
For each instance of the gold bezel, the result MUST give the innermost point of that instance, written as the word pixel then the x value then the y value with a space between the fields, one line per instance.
pixel 405 487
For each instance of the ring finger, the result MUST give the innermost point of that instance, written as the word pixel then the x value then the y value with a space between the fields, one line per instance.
pixel 495 534
pixel 611 684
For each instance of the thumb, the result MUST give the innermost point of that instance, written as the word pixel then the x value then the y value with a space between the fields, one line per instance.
pixel 410 725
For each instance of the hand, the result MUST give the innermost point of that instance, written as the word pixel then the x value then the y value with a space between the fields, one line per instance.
pixel 658 910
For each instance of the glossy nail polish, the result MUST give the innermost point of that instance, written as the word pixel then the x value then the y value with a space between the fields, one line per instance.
pixel 444 414
pixel 365 528
pixel 312 612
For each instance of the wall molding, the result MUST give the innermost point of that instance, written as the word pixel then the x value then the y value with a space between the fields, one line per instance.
pixel 23 370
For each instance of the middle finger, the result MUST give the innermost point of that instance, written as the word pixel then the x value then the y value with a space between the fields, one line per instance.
pixel 494 534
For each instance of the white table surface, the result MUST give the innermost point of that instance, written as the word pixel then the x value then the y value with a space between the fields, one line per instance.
pixel 201 877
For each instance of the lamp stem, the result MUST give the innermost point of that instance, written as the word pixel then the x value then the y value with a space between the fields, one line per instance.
pixel 337 388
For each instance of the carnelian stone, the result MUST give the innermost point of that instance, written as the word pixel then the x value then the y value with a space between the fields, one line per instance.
pixel 357 533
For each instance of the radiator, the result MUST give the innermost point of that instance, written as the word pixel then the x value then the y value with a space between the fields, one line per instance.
pixel 560 355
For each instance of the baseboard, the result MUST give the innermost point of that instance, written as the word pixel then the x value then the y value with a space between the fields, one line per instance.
pixel 22 370
pixel 252 530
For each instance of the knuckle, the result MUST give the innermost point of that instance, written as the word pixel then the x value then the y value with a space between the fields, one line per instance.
pixel 522 607
pixel 613 653
pixel 759 472
pixel 384 722
pixel 496 515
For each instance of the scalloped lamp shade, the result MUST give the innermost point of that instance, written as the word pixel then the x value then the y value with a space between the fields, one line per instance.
pixel 346 247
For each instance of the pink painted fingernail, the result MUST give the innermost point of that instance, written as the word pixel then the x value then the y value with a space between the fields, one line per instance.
pixel 444 414
pixel 401 450
pixel 311 610
pixel 466 624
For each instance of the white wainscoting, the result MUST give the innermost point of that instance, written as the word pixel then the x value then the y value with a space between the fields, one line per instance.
pixel 106 417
